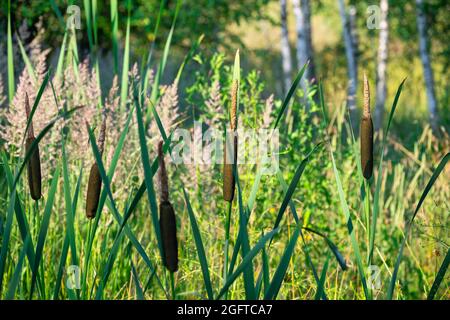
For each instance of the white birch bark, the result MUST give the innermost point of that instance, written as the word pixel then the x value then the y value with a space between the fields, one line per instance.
pixel 302 11
pixel 382 58
pixel 351 63
pixel 285 49
pixel 427 70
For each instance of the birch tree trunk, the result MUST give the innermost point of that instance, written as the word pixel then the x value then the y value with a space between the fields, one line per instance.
pixel 285 49
pixel 382 58
pixel 286 59
pixel 302 11
pixel 351 64
pixel 427 70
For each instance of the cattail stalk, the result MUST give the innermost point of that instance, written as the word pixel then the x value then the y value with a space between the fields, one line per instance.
pixel 167 220
pixel 366 134
pixel 34 163
pixel 228 167
pixel 95 180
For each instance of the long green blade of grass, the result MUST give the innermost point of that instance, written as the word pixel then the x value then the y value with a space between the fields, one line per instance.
pixel 148 174
pixel 200 247
pixel 290 93
pixel 115 34
pixel 280 273
pixel 427 189
pixel 36 103
pixel 14 283
pixel 10 54
pixel 27 61
pixel 440 276
pixel 246 261
pixel 345 209
pixel 125 65
pixel 376 198
pixel 44 228
pixel 6 236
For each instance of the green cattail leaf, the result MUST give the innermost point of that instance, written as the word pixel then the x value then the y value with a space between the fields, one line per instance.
pixel 323 275
pixel 21 218
pixel 36 102
pixel 125 67
pixel 288 97
pixel 10 57
pixel 6 235
pixel 27 61
pixel 345 208
pixel 62 52
pixel 148 175
pixel 278 277
pixel 137 284
pixel 293 185
pixel 163 62
pixel 200 247
pixel 425 192
pixel 44 227
pixel 439 277
pixel 14 283
pixel 246 261
pixel 376 197
pixel 115 34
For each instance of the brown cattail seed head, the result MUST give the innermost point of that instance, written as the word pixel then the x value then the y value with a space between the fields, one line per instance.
pixel 230 159
pixel 167 220
pixel 34 163
pixel 95 180
pixel 34 170
pixel 230 149
pixel 366 134
pixel 93 191
pixel 168 226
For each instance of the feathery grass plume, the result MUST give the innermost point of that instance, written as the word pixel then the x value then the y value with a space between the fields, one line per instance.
pixel 95 181
pixel 366 134
pixel 34 164
pixel 228 174
pixel 167 220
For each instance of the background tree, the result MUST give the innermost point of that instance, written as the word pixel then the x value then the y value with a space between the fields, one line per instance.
pixel 305 52
pixel 427 70
pixel 382 59
pixel 352 65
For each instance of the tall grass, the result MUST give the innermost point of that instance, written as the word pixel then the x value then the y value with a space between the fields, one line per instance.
pixel 261 243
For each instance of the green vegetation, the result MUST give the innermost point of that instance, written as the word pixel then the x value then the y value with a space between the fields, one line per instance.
pixel 320 227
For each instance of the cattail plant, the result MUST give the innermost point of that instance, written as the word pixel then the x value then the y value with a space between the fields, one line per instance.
pixel 167 221
pixel 95 180
pixel 228 174
pixel 34 163
pixel 366 134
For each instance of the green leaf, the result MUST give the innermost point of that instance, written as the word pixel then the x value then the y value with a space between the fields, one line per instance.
pixel 440 276
pixel 376 198
pixel 200 248
pixel 278 277
pixel 14 283
pixel 246 261
pixel 44 227
pixel 288 97
pixel 427 189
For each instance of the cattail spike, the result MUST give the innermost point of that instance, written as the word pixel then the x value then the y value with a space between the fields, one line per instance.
pixel 234 99
pixel 366 109
pixel 163 180
pixel 95 180
pixel 28 112
pixel 366 134
pixel 102 134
